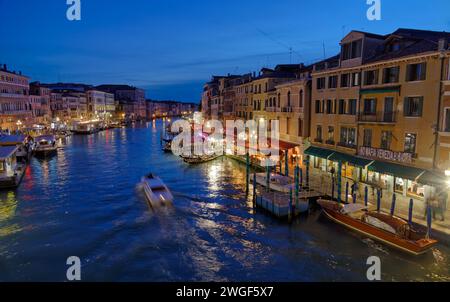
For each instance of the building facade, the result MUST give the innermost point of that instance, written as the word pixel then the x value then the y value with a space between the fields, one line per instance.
pixel 130 100
pixel 375 114
pixel 15 108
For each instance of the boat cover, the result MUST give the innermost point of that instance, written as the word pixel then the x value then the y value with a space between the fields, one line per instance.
pixel 353 208
pixel 379 224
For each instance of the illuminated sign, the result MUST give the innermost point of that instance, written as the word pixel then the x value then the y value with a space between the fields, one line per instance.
pixel 401 157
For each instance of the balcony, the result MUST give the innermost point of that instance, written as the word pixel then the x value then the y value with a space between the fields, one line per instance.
pixel 347 145
pixel 330 142
pixel 286 109
pixel 379 117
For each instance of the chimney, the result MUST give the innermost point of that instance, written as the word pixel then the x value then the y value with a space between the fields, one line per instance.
pixel 443 44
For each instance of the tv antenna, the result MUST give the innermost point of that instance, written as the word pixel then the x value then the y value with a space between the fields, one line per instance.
pixel 282 44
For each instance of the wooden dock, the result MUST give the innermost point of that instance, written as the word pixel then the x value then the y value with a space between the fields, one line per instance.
pixel 278 203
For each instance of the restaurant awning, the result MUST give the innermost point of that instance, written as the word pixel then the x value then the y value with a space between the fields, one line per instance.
pixel 286 145
pixel 353 160
pixel 432 179
pixel 319 152
pixel 405 172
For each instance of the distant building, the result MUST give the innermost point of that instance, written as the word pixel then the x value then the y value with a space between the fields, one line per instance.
pixel 158 109
pixel 131 100
pixel 40 102
pixel 100 104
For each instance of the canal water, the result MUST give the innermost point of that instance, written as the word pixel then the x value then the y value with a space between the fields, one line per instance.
pixel 86 202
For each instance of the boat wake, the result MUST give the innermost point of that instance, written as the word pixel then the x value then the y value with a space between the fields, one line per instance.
pixel 374 245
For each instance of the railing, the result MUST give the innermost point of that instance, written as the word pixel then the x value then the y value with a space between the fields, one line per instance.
pixel 346 145
pixel 330 142
pixel 377 117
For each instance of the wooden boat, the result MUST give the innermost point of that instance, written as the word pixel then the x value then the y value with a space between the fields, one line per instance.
pixel 45 145
pixel 277 182
pixel 382 227
pixel 167 147
pixel 156 191
pixel 195 160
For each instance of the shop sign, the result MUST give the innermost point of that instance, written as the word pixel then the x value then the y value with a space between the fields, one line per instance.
pixel 388 155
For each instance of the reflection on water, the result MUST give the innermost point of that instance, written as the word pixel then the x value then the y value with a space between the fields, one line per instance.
pixel 8 206
pixel 85 202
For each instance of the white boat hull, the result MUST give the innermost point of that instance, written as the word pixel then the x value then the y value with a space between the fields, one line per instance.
pixel 157 198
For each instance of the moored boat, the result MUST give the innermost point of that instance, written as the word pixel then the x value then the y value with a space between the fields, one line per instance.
pixel 12 170
pixel 382 227
pixel 156 191
pixel 195 160
pixel 45 145
pixel 167 146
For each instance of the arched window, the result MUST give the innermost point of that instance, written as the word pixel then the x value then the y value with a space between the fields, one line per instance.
pixel 289 99
pixel 300 103
pixel 279 100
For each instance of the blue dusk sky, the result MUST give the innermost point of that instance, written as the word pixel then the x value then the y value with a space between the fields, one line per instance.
pixel 171 47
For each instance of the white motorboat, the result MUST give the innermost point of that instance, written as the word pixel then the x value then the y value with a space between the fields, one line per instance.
pixel 45 145
pixel 156 191
pixel 277 182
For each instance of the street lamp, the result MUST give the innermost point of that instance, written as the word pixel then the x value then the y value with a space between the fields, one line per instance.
pixel 19 124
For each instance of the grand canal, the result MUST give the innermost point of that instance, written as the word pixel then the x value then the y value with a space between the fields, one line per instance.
pixel 85 202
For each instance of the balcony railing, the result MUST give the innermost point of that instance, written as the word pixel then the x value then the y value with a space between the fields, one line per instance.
pixel 377 117
pixel 346 145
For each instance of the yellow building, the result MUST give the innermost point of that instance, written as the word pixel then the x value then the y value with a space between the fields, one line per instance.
pixel 443 163
pixel 375 110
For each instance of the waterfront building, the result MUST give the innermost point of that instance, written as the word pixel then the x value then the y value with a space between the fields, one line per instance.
pixel 100 104
pixel 15 109
pixel 244 95
pixel 75 104
pixel 209 96
pixel 290 105
pixel 40 103
pixel 58 107
pixel 443 150
pixel 375 108
pixel 131 100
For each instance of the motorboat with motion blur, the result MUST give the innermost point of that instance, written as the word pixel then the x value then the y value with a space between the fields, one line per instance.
pixel 156 191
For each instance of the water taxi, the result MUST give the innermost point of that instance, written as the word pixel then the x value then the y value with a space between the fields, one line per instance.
pixel 45 145
pixel 156 191
pixel 382 227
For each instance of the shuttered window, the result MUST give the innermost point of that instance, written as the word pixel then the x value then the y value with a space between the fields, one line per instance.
pixel 413 106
